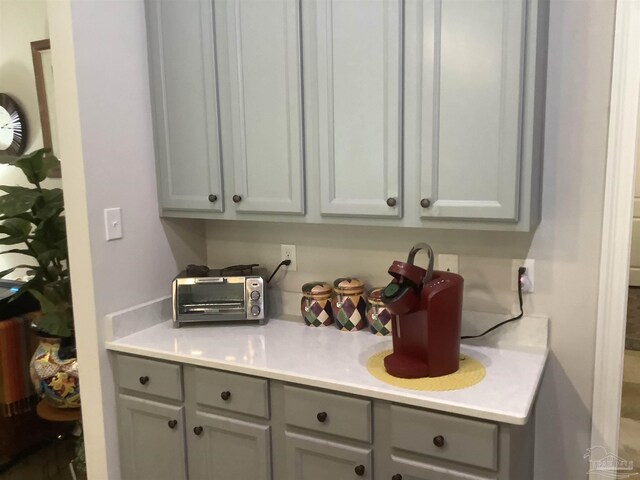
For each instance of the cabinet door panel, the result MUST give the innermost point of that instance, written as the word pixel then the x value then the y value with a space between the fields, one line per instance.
pixel 314 459
pixel 185 109
pixel 229 449
pixel 150 447
pixel 359 101
pixel 265 71
pixel 472 74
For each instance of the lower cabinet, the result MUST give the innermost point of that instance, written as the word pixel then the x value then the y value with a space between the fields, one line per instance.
pixel 179 422
pixel 222 448
pixel 311 458
pixel 151 439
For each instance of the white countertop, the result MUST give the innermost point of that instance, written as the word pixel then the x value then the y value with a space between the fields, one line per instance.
pixel 328 358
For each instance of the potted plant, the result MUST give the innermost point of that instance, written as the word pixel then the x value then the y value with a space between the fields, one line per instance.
pixel 32 223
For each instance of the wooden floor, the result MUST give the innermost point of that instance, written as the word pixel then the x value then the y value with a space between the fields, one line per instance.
pixel 50 462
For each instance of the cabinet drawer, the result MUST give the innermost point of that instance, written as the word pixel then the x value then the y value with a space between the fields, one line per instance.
pixel 150 376
pixel 230 391
pixel 450 438
pixel 330 413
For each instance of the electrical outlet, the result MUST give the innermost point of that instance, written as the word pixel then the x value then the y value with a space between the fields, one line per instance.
pixel 288 252
pixel 529 276
pixel 447 263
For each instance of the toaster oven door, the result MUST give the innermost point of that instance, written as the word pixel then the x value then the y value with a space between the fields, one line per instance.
pixel 210 299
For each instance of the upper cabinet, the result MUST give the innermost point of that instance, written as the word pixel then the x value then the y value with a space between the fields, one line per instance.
pixel 357 89
pixel 417 113
pixel 184 99
pixel 472 78
pixel 261 86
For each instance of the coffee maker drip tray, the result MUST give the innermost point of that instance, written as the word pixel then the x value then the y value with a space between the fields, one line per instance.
pixel 470 373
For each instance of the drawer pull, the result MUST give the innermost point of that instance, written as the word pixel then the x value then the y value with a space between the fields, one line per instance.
pixel 397 476
pixel 425 203
pixel 237 199
pixel 197 430
pixel 359 470
pixel 172 424
pixel 322 417
pixel 438 441
pixel 391 202
pixel 213 198
pixel 144 380
pixel 226 395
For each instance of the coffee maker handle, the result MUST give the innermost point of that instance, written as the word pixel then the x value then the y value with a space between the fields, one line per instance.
pixel 412 254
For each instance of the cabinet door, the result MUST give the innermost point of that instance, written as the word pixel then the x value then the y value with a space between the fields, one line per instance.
pixel 263 83
pixel 411 470
pixel 309 458
pixel 472 55
pixel 151 440
pixel 228 449
pixel 184 98
pixel 358 50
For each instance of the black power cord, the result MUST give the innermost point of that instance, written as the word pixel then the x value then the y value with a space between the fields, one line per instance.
pixel 283 262
pixel 521 272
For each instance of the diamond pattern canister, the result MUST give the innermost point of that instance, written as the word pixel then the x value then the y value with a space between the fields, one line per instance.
pixel 380 319
pixel 316 304
pixel 349 304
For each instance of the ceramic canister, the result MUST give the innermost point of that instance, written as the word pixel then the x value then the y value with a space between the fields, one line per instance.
pixel 380 319
pixel 349 304
pixel 316 304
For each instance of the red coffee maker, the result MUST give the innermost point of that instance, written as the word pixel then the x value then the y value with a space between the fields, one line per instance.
pixel 428 309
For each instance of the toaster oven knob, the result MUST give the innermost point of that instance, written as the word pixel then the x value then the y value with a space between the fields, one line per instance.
pixel 255 310
pixel 255 295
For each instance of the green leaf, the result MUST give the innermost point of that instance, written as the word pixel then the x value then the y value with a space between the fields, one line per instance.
pixel 35 165
pixel 16 227
pixel 51 204
pixel 18 201
pixel 47 305
pixel 59 324
pixel 18 251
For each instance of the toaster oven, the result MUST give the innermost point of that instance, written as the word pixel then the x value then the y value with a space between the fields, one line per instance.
pixel 232 294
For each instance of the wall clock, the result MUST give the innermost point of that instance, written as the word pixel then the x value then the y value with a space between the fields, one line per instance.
pixel 13 127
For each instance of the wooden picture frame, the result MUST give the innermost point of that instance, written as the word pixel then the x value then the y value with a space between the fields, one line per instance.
pixel 44 89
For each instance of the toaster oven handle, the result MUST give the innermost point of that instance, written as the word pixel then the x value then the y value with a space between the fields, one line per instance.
pixel 210 280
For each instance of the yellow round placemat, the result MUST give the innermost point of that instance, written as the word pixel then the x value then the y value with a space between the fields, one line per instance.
pixel 471 372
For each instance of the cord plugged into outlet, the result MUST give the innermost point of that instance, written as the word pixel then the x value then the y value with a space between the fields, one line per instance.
pixel 527 278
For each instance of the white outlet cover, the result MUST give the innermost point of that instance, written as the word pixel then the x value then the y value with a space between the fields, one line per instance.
pixel 289 252
pixel 529 276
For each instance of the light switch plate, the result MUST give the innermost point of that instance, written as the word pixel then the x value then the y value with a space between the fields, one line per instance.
pixel 112 223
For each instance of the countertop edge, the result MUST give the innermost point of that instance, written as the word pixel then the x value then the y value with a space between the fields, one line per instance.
pixel 484 414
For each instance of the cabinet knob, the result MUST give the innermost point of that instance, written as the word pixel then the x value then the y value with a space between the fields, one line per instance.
pixel 213 198
pixel 237 198
pixel 391 202
pixel 397 476
pixel 226 395
pixel 425 203
pixel 144 380
pixel 197 430
pixel 359 470
pixel 438 441
pixel 322 417
pixel 172 423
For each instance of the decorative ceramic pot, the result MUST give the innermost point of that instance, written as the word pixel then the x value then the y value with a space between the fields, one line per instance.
pixel 316 304
pixel 379 318
pixel 54 378
pixel 349 304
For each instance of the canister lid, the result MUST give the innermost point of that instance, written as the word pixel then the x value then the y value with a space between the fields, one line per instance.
pixel 346 284
pixel 316 288
pixel 375 295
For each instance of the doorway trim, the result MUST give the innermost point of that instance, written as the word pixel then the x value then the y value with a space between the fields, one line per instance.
pixel 616 227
